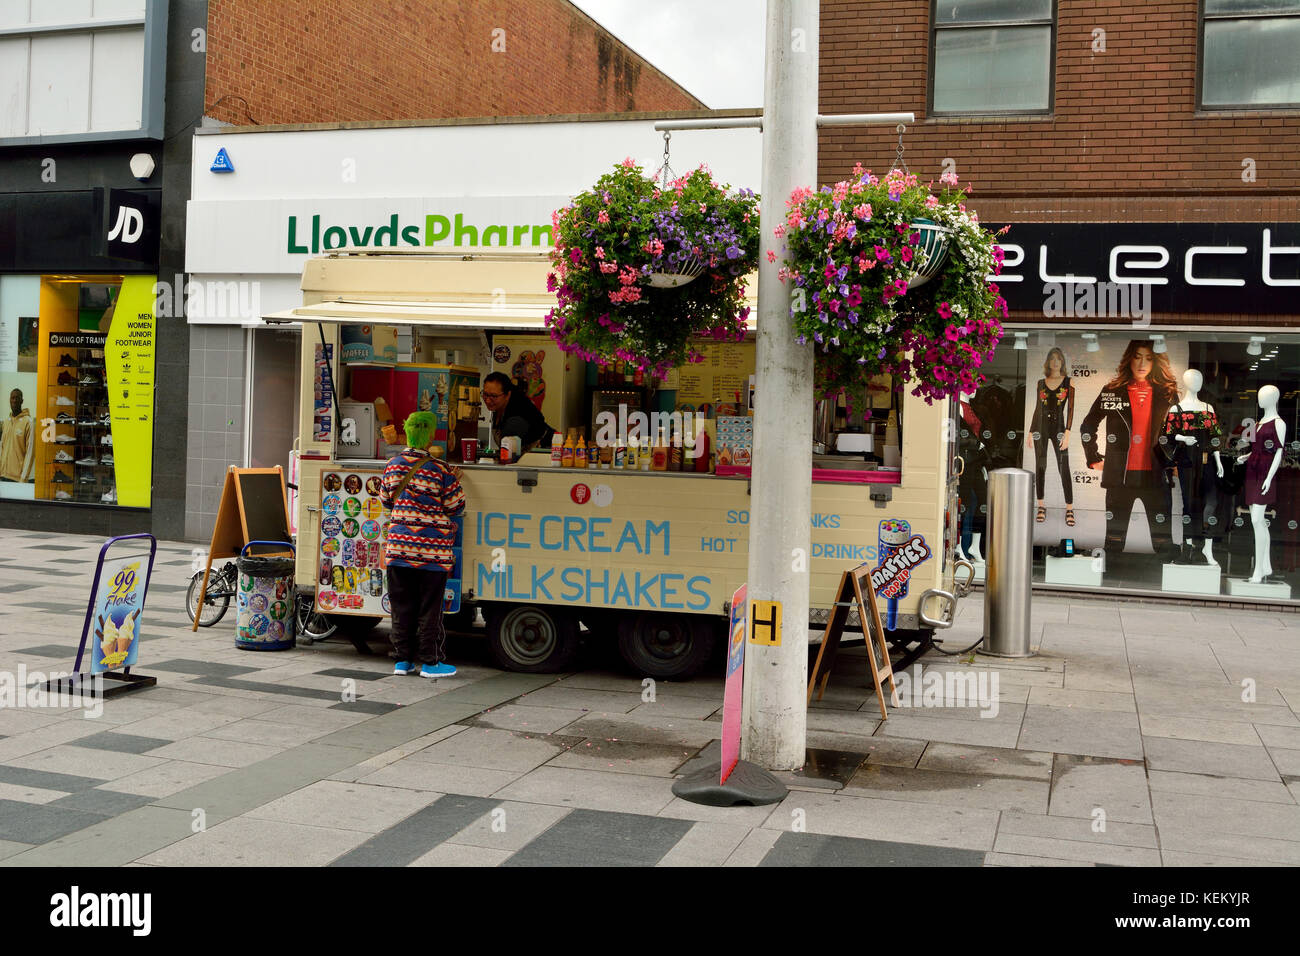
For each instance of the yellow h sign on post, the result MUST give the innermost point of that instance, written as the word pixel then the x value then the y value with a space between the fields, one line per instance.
pixel 765 623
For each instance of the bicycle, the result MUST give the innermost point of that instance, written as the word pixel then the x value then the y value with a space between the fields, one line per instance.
pixel 221 588
pixel 312 624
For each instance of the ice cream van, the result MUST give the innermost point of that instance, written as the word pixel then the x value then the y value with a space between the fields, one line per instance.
pixel 634 546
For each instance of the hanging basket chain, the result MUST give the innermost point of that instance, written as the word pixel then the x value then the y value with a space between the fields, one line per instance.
pixel 690 268
pixel 898 155
pixel 665 175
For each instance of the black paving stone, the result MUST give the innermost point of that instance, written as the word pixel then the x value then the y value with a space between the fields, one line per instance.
pixel 11 588
pixel 49 650
pixel 419 833
pixel 204 668
pixel 354 674
pixel 61 607
pixel 601 838
pixel 366 706
pixel 287 690
pixel 46 780
pixel 120 743
pixel 41 823
pixel 110 803
pixel 815 849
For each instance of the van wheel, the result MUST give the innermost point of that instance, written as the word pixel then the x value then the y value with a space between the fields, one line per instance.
pixel 666 646
pixel 531 639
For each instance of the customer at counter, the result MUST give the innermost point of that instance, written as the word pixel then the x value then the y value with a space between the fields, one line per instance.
pixel 514 415
pixel 424 494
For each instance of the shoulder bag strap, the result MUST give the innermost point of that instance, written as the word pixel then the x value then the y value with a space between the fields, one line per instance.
pixel 406 479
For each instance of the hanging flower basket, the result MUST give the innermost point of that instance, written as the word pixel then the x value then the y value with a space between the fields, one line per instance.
pixel 641 271
pixel 888 276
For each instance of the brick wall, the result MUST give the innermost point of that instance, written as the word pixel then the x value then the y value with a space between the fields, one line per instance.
pixel 1124 141
pixel 303 61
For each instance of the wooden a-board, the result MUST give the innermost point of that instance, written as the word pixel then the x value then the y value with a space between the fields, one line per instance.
pixel 855 587
pixel 254 507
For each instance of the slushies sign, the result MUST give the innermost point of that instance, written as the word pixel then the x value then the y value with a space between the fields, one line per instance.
pixel 314 235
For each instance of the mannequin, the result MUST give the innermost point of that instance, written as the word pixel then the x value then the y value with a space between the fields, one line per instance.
pixel 970 446
pixel 1261 468
pixel 1194 425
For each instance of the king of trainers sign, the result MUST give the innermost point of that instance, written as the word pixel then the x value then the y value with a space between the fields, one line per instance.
pixel 1086 270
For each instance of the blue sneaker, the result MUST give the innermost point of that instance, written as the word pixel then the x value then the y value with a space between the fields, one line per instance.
pixel 437 670
pixel 403 668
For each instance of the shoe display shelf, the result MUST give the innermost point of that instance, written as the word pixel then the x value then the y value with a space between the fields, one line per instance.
pixel 83 428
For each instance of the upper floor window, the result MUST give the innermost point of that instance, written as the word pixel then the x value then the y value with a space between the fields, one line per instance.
pixel 992 56
pixel 1250 54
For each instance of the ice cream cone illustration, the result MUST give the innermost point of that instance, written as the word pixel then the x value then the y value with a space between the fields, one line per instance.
pixel 126 633
pixel 107 636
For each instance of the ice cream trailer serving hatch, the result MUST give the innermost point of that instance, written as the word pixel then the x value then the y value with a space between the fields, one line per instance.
pixel 651 556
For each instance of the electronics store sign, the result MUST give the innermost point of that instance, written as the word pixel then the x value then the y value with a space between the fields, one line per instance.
pixel 1177 267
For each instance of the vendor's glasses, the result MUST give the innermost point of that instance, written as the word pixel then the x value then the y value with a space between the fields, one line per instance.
pixel 493 396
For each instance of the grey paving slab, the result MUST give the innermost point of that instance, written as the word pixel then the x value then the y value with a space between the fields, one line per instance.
pixel 122 742
pixel 950 789
pixel 267 687
pixel 491 749
pixel 1081 785
pixel 267 732
pixel 352 673
pixel 1195 756
pixel 1108 678
pixel 1077 829
pixel 816 850
pixel 109 803
pixel 1177 858
pixel 996 732
pixel 580 698
pixel 10 848
pixel 1093 733
pixel 1012 859
pixel 899 821
pixel 621 683
pixel 988 761
pixel 499 688
pixel 1286 761
pixel 1177 838
pixel 68 651
pixel 753 848
pixel 247 841
pixel 1109 854
pixel 1287 738
pixel 386 731
pixel 14 721
pixel 679 706
pixel 1225 815
pixel 365 706
pixel 216 751
pixel 508 826
pixel 102 764
pixel 456 854
pixel 669 731
pixel 39 823
pixel 623 756
pixel 1235 788
pixel 239 791
pixel 738 815
pixel 10 791
pixel 302 715
pixel 394 754
pixel 413 837
pixel 514 716
pixel 441 778
pixel 47 780
pixel 892 751
pixel 344 806
pixel 591 790
pixel 168 778
pixel 1192 728
pixel 1083 699
pixel 705 844
pixel 597 838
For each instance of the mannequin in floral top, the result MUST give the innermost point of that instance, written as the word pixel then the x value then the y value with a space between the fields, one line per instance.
pixel 1053 418
pixel 1190 439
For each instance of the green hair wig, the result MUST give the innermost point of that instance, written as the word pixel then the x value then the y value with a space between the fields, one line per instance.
pixel 420 428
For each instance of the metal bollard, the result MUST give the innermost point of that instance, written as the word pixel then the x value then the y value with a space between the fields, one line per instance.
pixel 1010 556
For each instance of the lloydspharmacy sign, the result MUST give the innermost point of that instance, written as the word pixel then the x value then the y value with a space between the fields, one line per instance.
pixel 317 235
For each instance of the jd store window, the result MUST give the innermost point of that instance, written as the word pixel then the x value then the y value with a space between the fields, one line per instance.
pixel 77 376
pixel 1249 54
pixel 1151 456
pixel 992 56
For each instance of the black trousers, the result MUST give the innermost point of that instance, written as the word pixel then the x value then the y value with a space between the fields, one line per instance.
pixel 416 596
pixel 1119 507
pixel 1062 456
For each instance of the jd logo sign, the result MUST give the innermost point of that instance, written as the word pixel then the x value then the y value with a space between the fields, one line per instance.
pixel 129 226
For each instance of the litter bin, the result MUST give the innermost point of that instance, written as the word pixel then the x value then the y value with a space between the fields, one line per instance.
pixel 1008 580
pixel 264 618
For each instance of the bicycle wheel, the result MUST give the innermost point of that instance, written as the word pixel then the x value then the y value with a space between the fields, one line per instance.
pixel 215 602
pixel 312 624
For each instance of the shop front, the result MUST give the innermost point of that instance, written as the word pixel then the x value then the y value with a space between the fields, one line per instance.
pixel 1159 421
pixel 77 336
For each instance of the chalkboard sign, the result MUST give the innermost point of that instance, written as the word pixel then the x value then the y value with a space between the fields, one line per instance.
pixel 262 504
pixel 253 508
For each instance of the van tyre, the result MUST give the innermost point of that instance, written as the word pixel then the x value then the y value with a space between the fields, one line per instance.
pixel 531 639
pixel 666 646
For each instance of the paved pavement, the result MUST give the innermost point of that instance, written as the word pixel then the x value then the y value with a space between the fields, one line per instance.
pixel 1140 734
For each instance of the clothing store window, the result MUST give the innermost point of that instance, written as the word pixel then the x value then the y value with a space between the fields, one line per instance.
pixel 1169 463
pixel 1248 54
pixel 992 56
